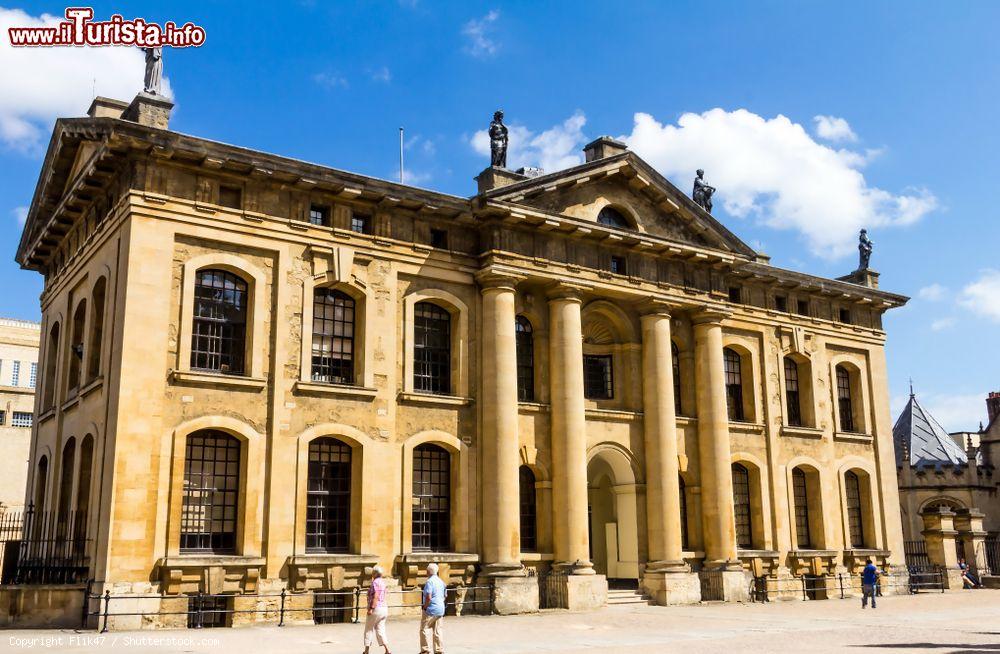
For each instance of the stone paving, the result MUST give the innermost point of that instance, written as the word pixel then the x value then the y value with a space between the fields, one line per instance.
pixel 957 622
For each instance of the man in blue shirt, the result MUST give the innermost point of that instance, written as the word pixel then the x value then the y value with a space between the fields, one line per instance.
pixel 432 603
pixel 869 577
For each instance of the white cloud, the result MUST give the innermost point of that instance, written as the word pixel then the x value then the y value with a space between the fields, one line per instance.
pixel 832 128
pixel 40 84
pixel 983 295
pixel 554 149
pixel 478 33
pixel 773 170
pixel 933 293
pixel 942 324
pixel 414 177
pixel 331 80
pixel 382 74
pixel 20 215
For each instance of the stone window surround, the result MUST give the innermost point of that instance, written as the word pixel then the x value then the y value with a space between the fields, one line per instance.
pixel 255 336
pixel 760 499
pixel 461 478
pixel 815 489
pixel 364 315
pixel 459 312
pixel 870 518
pixel 749 373
pixel 807 398
pixel 250 510
pixel 858 371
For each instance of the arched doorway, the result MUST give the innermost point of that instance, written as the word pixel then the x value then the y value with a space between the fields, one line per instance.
pixel 613 511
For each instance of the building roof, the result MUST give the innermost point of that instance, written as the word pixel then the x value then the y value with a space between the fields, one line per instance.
pixel 918 436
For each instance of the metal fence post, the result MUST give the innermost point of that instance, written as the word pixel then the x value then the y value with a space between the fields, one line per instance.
pixel 107 604
pixel 197 611
pixel 281 611
pixel 86 603
pixel 943 578
pixel 804 595
pixel 840 580
pixel 357 604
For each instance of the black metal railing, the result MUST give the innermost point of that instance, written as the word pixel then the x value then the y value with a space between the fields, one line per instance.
pixel 989 551
pixel 43 547
pixel 205 610
pixel 810 587
pixel 916 554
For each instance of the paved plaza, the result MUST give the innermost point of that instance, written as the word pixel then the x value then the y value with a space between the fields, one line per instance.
pixel 958 622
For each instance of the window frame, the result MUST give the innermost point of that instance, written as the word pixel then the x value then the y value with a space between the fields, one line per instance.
pixel 329 502
pixel 856 533
pixel 845 400
pixel 362 220
pixel 209 329
pixel 321 211
pixel 800 509
pixel 435 460
pixel 743 511
pixel 234 455
pixel 524 343
pixel 607 375
pixel 432 362
pixel 793 393
pixel 459 311
pixel 335 298
pixel 528 502
pixel 735 402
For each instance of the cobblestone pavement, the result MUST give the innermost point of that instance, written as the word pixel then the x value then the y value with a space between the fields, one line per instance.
pixel 957 622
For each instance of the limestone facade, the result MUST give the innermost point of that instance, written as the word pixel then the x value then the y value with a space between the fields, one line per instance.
pixel 564 379
pixel 18 372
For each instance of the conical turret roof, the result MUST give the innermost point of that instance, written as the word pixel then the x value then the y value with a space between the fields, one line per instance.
pixel 921 441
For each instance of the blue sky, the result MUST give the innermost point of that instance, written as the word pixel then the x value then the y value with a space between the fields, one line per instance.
pixel 907 146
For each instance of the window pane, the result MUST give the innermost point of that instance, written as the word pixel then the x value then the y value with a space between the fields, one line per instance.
pixel 683 513
pixel 525 360
pixel 218 332
pixel 801 497
pixel 431 349
pixel 792 392
pixel 844 399
pixel 211 487
pixel 677 378
pixel 328 501
pixel 432 495
pixel 529 522
pixel 333 337
pixel 598 380
pixel 854 516
pixel 741 506
pixel 734 384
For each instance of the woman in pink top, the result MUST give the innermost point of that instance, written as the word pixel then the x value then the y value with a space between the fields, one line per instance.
pixel 378 612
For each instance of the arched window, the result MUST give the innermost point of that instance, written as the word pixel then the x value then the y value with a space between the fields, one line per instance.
pixel 66 482
pixel 328 504
pixel 96 329
pixel 529 512
pixel 431 349
pixel 855 519
pixel 741 507
pixel 613 218
pixel 333 337
pixel 210 502
pixel 218 332
pixel 432 499
pixel 41 479
pixel 524 339
pixel 792 398
pixel 51 356
pixel 676 359
pixel 76 345
pixel 83 480
pixel 684 512
pixel 844 401
pixel 800 494
pixel 734 384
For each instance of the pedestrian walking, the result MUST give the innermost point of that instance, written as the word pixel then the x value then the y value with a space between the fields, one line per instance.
pixel 432 603
pixel 869 578
pixel 378 612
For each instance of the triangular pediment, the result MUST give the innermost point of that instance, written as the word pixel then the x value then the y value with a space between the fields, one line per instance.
pixel 647 201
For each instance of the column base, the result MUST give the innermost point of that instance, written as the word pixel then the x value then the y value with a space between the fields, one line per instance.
pixel 953 577
pixel 671 586
pixel 514 569
pixel 576 592
pixel 724 585
pixel 513 595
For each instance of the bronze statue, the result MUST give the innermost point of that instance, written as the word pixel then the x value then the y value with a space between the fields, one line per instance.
pixel 498 140
pixel 702 193
pixel 154 70
pixel 864 249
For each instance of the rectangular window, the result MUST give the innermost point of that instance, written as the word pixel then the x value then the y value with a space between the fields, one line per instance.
pixel 21 419
pixel 845 316
pixel 319 215
pixel 439 239
pixel 15 373
pixel 801 497
pixel 333 337
pixel 431 499
pixel 231 196
pixel 792 393
pixel 361 224
pixel 619 265
pixel 735 295
pixel 211 493
pixel 328 499
pixel 781 303
pixel 209 611
pixel 598 377
pixel 431 349
pixel 802 307
pixel 332 607
pixel 3 418
pixel 33 375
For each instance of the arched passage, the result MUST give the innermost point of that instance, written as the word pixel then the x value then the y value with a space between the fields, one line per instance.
pixel 613 508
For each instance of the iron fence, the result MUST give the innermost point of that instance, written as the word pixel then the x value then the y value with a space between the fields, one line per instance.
pixel 552 591
pixel 916 554
pixel 811 587
pixel 206 610
pixel 989 551
pixel 43 547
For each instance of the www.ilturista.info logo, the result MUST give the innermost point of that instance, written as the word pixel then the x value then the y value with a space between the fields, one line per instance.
pixel 79 28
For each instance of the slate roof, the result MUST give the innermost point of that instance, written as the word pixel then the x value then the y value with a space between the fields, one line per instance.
pixel 917 433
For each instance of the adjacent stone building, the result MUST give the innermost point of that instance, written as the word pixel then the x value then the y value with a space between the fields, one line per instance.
pixel 265 374
pixel 18 363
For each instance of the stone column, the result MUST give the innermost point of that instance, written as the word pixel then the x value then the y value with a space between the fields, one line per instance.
pixel 969 525
pixel 569 453
pixel 501 508
pixel 667 578
pixel 722 574
pixel 939 536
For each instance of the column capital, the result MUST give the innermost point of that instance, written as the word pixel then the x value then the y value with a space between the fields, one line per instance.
pixel 709 315
pixel 498 278
pixel 657 307
pixel 566 291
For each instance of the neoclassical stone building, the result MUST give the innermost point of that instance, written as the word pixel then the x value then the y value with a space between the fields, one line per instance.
pixel 281 373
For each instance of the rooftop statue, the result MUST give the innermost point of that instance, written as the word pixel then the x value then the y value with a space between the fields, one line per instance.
pixel 498 140
pixel 154 70
pixel 702 193
pixel 864 250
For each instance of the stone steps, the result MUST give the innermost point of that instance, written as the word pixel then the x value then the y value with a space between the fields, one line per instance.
pixel 621 597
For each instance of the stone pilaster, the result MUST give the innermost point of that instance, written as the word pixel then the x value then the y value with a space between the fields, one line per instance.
pixel 939 536
pixel 969 525
pixel 667 578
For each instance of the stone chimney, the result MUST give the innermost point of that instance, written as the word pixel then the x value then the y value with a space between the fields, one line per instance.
pixel 603 147
pixel 103 107
pixel 149 110
pixel 993 405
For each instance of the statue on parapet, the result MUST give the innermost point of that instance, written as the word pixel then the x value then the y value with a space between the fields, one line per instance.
pixel 154 71
pixel 702 193
pixel 865 246
pixel 498 140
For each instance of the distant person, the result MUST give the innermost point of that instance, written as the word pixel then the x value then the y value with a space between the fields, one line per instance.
pixel 969 580
pixel 378 612
pixel 869 578
pixel 432 604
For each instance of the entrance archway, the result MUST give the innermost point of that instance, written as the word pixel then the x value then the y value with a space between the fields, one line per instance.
pixel 613 509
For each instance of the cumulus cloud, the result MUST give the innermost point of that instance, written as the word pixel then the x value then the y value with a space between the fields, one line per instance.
pixel 942 324
pixel 39 85
pixel 832 128
pixel 772 170
pixel 933 292
pixel 982 296
pixel 479 38
pixel 553 149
